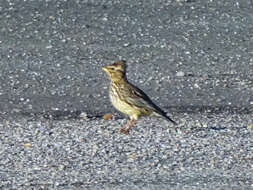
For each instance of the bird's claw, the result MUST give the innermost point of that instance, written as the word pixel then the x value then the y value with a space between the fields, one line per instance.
pixel 124 130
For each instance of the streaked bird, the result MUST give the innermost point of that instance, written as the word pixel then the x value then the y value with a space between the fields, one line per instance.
pixel 129 99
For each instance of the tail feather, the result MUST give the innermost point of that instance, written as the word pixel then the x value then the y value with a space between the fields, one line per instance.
pixel 163 114
pixel 169 119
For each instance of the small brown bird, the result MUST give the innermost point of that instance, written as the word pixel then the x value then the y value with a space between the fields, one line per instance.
pixel 129 99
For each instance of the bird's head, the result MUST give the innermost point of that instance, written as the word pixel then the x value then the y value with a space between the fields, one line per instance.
pixel 116 71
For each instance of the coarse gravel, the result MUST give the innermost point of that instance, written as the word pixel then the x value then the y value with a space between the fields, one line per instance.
pixel 205 151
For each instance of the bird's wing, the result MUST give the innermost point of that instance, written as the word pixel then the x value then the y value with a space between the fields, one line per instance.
pixel 139 99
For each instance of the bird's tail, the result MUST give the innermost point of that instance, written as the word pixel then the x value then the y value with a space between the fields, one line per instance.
pixel 163 114
pixel 169 119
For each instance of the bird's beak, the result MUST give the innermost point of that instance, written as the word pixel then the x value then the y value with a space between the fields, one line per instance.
pixel 105 69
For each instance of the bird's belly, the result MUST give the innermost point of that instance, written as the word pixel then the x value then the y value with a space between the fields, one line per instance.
pixel 125 107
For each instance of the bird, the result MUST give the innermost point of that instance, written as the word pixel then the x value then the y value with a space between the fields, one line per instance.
pixel 129 99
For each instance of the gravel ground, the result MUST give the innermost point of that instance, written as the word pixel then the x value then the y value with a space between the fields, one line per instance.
pixel 205 151
pixel 194 58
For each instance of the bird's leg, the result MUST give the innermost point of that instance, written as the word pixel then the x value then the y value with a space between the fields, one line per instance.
pixel 125 129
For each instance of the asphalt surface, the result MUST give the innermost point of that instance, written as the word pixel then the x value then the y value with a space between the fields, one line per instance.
pixel 193 58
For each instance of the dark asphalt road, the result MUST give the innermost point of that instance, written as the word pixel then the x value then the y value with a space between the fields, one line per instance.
pixel 182 53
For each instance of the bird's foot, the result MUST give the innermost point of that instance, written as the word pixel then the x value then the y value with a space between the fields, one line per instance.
pixel 125 129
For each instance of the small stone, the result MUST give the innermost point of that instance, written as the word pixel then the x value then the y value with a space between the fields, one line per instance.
pixel 61 167
pixel 49 47
pixel 84 116
pixel 250 126
pixel 131 155
pixel 196 85
pixel 107 116
pixel 51 17
pixel 27 145
pixel 180 74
